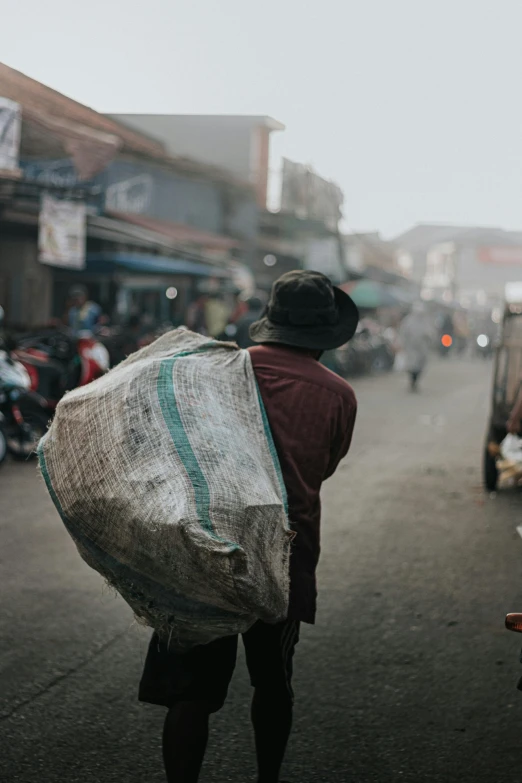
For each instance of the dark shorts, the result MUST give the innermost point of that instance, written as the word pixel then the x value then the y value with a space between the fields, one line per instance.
pixel 204 673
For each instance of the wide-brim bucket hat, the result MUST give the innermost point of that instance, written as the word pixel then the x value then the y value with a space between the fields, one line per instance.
pixel 306 311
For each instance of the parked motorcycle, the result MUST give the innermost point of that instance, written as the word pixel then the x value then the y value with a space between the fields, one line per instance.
pixel 368 351
pixel 58 361
pixel 23 413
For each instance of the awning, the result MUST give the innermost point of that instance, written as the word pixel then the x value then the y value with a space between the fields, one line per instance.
pixel 149 264
pixel 370 295
pixel 180 233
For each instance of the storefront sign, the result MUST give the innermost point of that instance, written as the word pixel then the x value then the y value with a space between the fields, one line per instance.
pixel 51 173
pixel 131 196
pixel 62 229
pixel 10 128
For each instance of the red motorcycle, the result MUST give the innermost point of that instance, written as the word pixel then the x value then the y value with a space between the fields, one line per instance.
pixel 58 361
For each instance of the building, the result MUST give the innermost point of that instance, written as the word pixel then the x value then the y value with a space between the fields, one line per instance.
pixel 368 249
pixel 466 265
pixel 152 222
pixel 304 233
pixel 287 242
pixel 239 144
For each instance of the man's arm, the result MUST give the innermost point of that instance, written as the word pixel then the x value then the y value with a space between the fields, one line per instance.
pixel 343 436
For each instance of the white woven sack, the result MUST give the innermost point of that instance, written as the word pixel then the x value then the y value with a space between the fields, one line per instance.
pixel 165 474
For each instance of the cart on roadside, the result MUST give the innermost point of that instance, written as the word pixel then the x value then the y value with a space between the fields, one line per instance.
pixel 507 378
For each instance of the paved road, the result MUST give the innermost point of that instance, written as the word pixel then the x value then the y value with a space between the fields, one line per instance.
pixel 408 675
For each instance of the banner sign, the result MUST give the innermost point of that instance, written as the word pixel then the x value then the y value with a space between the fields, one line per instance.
pixel 10 130
pixel 62 230
pixel 510 255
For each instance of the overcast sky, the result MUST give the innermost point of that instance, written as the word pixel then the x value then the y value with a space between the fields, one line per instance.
pixel 412 106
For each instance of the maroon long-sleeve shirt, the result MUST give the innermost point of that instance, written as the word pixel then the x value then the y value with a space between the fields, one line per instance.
pixel 312 414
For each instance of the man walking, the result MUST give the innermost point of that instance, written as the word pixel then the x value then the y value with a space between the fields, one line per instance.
pixel 311 413
pixel 416 340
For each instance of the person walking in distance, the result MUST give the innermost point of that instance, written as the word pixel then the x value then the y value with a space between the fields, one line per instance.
pixel 416 340
pixel 311 412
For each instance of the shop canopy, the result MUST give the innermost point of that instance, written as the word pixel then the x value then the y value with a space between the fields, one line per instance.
pixel 370 295
pixel 105 263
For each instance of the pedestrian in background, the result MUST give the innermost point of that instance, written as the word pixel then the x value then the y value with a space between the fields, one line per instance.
pixel 216 314
pixel 311 413
pixel 253 313
pixel 83 314
pixel 416 341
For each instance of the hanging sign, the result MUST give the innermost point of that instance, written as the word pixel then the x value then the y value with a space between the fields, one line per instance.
pixel 10 128
pixel 62 230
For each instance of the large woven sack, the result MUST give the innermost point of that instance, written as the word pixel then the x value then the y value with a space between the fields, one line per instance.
pixel 165 474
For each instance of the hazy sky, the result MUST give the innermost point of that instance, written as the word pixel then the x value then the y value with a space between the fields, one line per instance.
pixel 413 106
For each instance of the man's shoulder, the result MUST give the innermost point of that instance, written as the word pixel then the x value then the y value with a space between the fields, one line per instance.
pixel 302 368
pixel 336 384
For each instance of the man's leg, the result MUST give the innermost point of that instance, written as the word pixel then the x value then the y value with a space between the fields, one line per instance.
pixel 192 685
pixel 269 652
pixel 272 721
pixel 185 737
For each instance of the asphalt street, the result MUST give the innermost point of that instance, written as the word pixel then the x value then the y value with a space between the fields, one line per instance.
pixel 408 675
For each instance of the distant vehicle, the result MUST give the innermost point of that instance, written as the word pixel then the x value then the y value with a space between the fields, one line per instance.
pixel 484 346
pixel 446 339
pixel 445 344
pixel 369 351
pixel 507 375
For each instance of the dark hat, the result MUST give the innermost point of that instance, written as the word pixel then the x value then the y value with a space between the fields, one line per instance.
pixel 305 310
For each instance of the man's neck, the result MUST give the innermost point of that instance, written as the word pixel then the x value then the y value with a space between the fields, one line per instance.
pixel 312 353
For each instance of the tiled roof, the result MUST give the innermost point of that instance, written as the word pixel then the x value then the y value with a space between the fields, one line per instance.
pixel 36 97
pixel 45 106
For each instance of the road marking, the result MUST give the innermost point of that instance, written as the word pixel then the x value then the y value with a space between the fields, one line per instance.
pixel 519 530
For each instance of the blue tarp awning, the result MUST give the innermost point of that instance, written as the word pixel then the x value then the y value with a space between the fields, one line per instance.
pixel 152 265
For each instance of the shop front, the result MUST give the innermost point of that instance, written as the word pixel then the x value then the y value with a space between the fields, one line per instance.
pixel 158 289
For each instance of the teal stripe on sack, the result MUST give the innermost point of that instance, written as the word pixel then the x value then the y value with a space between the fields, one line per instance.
pixel 172 417
pixel 273 451
pixel 47 479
